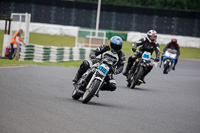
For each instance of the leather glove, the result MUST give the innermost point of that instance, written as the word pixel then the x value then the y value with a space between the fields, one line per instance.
pixel 133 49
pixel 92 56
pixel 156 59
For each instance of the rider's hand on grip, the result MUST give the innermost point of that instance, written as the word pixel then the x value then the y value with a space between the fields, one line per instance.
pixel 92 56
pixel 112 70
pixel 133 49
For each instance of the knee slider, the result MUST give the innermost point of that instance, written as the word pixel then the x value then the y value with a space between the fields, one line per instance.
pixel 85 65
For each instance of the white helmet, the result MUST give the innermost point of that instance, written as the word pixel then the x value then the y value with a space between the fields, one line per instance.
pixel 152 35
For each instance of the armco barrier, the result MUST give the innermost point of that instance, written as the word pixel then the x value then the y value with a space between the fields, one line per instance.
pixel 40 53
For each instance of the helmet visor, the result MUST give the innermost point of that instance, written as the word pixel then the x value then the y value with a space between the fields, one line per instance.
pixel 153 38
pixel 115 47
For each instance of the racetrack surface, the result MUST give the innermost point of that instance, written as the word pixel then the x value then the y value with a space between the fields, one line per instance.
pixel 37 99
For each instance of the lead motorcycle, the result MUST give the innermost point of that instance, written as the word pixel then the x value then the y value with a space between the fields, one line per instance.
pixel 93 79
pixel 168 60
pixel 139 68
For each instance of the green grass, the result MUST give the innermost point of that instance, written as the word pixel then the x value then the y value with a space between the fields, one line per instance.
pixel 5 62
pixel 67 41
pixel 52 40
pixel 46 40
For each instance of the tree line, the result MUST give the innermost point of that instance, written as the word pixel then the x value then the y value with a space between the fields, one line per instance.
pixel 193 5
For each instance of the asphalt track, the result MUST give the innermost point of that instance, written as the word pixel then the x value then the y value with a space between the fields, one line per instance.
pixel 37 99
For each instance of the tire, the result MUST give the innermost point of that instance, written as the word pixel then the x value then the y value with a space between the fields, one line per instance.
pixel 129 79
pixel 75 95
pixel 128 84
pixel 137 76
pixel 166 67
pixel 87 96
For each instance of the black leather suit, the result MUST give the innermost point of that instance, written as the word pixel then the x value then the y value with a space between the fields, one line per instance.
pixel 172 46
pixel 110 82
pixel 146 45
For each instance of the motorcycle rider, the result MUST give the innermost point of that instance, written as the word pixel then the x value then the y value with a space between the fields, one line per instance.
pixel 172 45
pixel 148 44
pixel 115 46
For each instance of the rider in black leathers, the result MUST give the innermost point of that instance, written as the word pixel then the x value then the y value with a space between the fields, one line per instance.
pixel 115 46
pixel 147 43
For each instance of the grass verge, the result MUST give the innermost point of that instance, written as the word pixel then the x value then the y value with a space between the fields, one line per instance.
pixel 6 62
pixel 67 41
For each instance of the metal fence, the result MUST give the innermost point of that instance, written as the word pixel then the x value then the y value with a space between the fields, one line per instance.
pixel 113 17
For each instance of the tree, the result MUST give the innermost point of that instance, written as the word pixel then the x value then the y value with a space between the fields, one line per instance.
pixel 166 4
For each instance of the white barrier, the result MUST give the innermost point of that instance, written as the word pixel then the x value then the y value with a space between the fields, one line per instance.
pixel 184 41
pixel 51 29
pixel 40 53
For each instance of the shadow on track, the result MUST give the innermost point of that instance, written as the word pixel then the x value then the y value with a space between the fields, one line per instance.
pixel 99 104
pixel 136 88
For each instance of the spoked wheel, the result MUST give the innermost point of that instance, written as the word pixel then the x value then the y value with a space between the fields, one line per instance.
pixel 89 93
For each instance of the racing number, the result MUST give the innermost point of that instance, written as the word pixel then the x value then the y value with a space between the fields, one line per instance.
pixel 103 70
pixel 146 56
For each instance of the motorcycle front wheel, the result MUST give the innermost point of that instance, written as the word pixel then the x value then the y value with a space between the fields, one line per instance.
pixel 89 93
pixel 136 77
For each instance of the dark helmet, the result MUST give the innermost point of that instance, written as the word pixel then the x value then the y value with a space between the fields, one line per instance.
pixel 174 40
pixel 150 34
pixel 116 43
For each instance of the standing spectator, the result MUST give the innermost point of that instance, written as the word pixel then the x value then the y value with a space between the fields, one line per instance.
pixel 16 39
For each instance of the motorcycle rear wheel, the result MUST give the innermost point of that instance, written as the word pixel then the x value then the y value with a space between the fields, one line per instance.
pixel 166 67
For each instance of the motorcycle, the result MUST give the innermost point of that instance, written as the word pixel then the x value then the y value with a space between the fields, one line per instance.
pixel 139 68
pixel 93 79
pixel 168 60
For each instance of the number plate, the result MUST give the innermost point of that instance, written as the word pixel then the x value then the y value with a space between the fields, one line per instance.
pixel 167 54
pixel 173 56
pixel 146 55
pixel 103 70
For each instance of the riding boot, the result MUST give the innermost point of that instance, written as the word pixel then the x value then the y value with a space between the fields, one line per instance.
pixel 77 77
pixel 144 77
pixel 160 64
pixel 173 68
pixel 128 67
pixel 131 60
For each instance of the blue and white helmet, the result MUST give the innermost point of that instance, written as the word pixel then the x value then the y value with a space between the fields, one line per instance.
pixel 116 43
